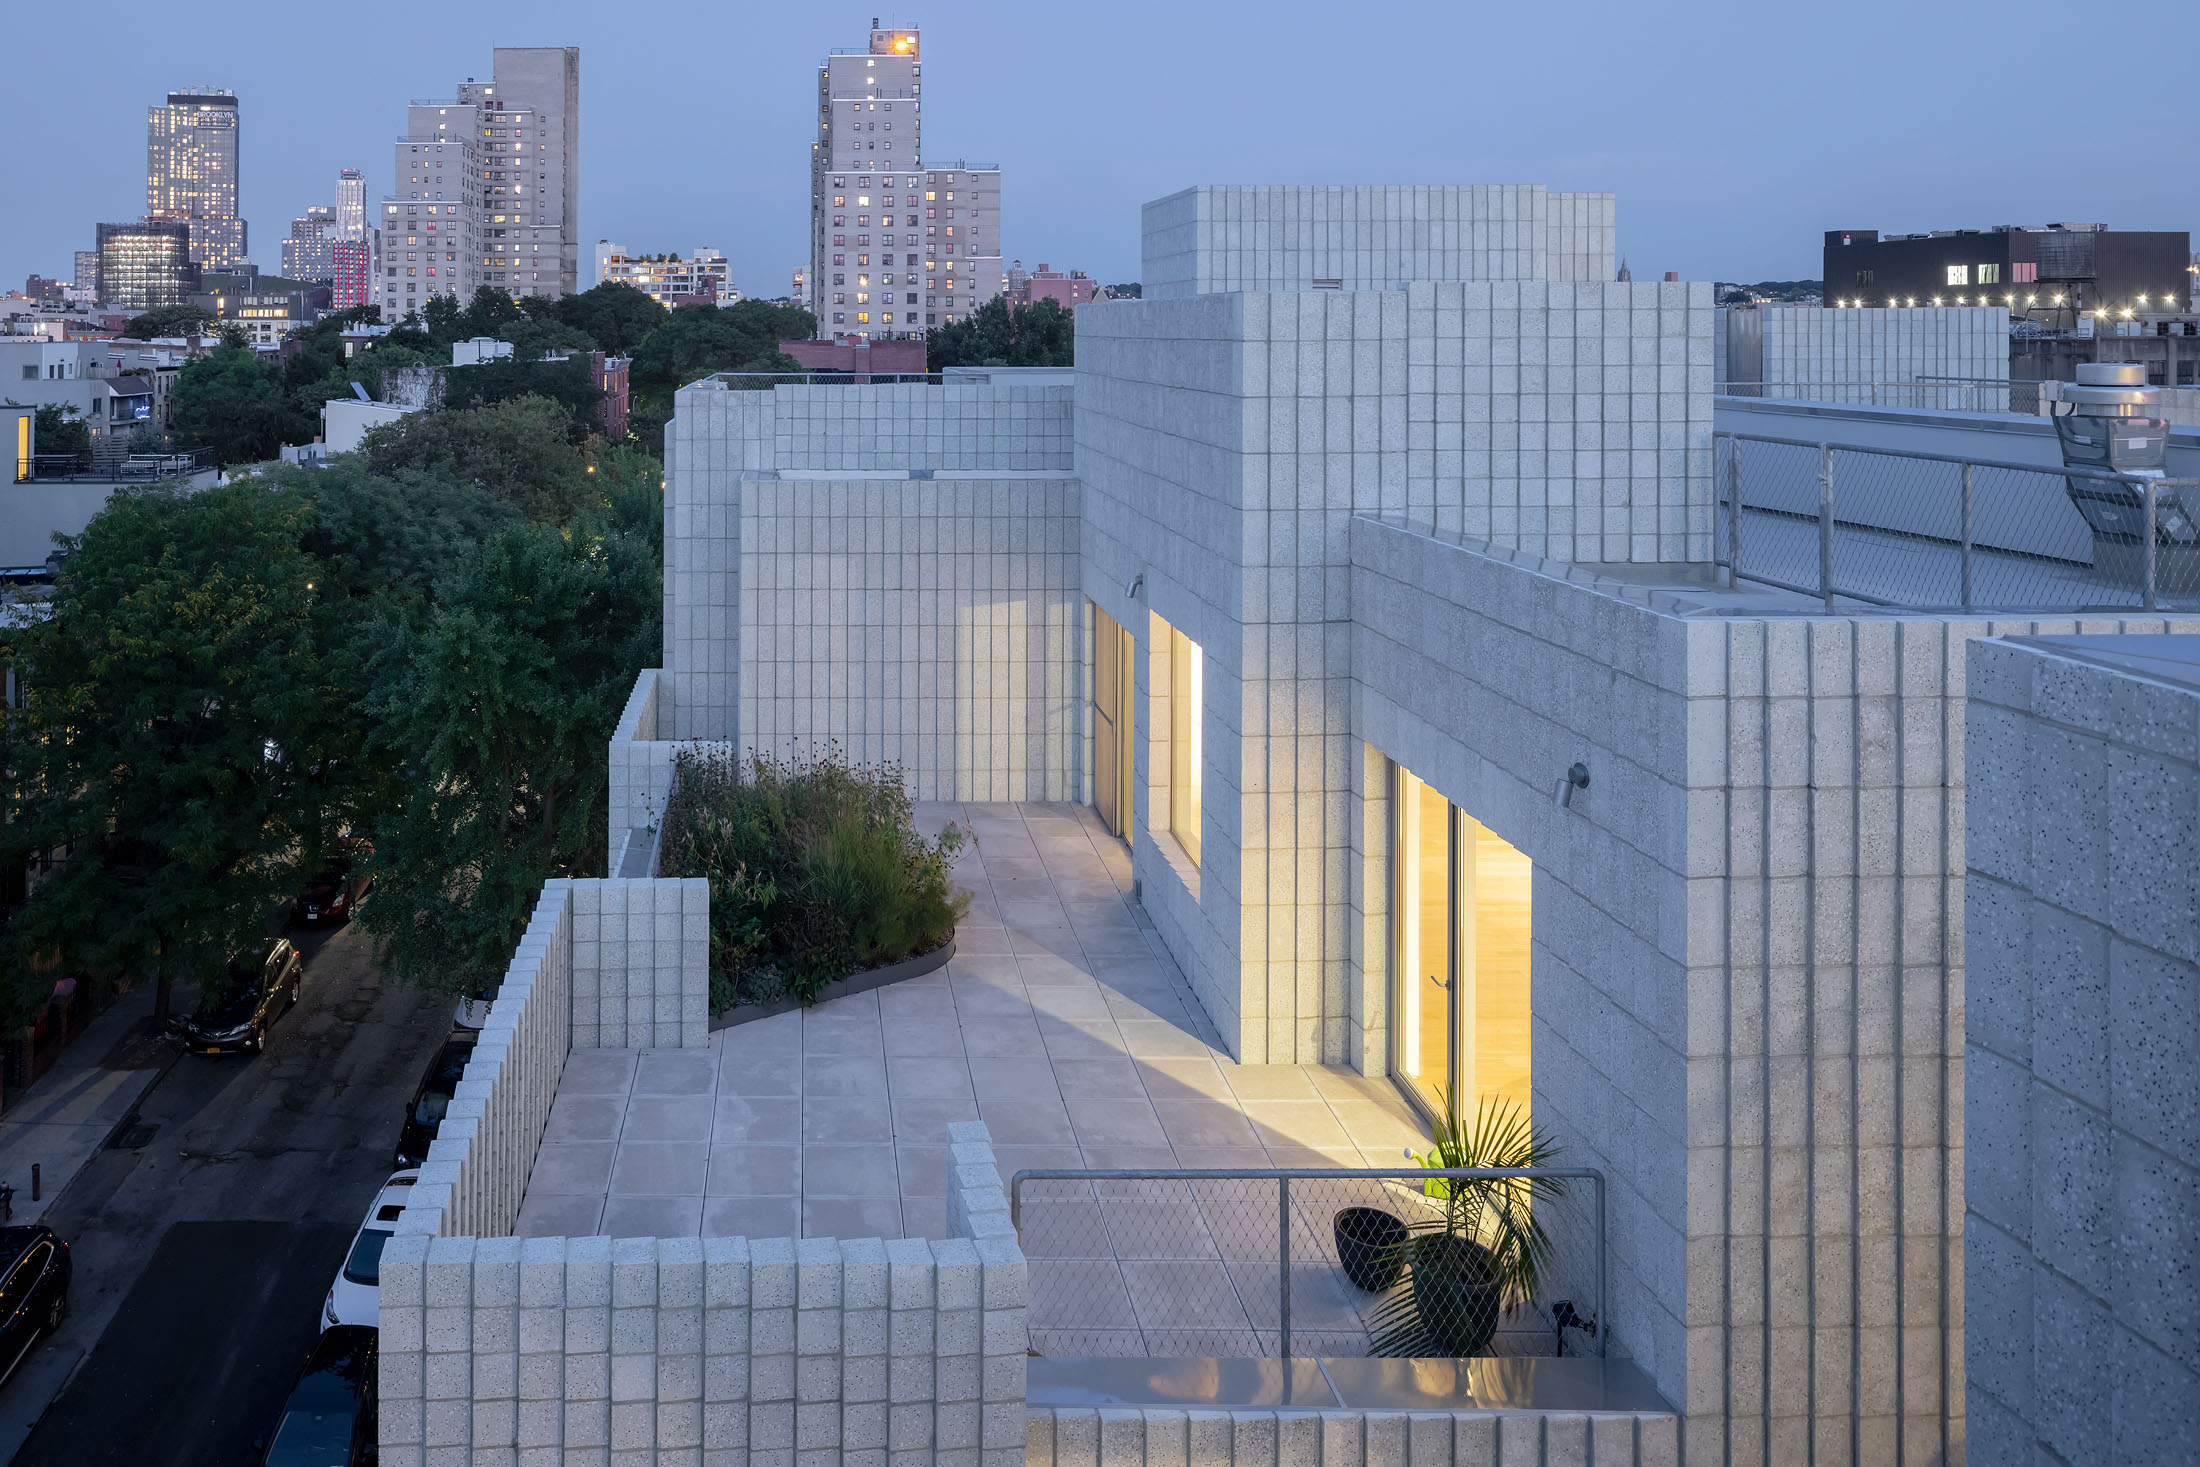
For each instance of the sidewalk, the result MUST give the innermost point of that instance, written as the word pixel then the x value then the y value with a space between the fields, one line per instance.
pixel 61 1122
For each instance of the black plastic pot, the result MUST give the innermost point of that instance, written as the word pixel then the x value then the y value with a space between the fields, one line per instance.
pixel 1371 1246
pixel 1455 1296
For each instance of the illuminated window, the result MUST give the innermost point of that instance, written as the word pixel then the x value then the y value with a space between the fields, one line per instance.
pixel 1184 676
pixel 1989 274
pixel 1959 274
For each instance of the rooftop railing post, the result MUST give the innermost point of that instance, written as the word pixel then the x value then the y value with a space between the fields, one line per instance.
pixel 2147 554
pixel 1967 526
pixel 1733 512
pixel 1825 523
pixel 1283 1256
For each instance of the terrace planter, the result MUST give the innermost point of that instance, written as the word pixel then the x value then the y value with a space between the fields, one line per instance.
pixel 859 982
pixel 1455 1294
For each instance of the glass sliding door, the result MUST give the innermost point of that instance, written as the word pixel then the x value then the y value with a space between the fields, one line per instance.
pixel 1460 903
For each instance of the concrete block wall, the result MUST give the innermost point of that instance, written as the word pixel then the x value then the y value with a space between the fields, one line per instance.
pixel 641 963
pixel 640 767
pixel 1749 973
pixel 718 435
pixel 1558 673
pixel 933 623
pixel 1088 1437
pixel 1224 444
pixel 895 426
pixel 1214 239
pixel 2081 1256
pixel 475 1175
pixel 610 964
pixel 816 1351
pixel 1836 353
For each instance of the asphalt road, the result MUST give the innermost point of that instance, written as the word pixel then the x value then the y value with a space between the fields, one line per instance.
pixel 202 1257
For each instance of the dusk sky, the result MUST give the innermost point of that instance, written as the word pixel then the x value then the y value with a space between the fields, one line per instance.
pixel 1732 134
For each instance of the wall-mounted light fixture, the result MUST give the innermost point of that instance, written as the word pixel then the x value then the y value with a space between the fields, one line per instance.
pixel 1130 592
pixel 1576 778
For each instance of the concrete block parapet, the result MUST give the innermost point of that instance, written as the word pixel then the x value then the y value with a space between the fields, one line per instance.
pixel 818 1351
pixel 1061 1436
pixel 2081 1120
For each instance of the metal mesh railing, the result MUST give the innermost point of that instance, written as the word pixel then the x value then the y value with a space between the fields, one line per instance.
pixel 1266 1263
pixel 1944 533
pixel 1947 395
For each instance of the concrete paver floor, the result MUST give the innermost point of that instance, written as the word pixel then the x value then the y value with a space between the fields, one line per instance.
pixel 1064 1026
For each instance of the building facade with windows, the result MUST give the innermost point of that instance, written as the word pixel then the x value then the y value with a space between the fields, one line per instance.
pixel 667 278
pixel 146 264
pixel 2051 274
pixel 306 251
pixel 899 242
pixel 191 172
pixel 908 252
pixel 486 187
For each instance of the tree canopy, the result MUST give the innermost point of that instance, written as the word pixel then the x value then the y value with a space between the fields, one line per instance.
pixel 616 316
pixel 232 401
pixel 174 739
pixel 996 334
pixel 168 321
pixel 518 451
pixel 698 340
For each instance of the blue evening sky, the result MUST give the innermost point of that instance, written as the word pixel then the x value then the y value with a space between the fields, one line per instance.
pixel 1733 134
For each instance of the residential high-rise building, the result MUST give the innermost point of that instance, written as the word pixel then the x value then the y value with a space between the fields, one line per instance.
pixel 431 239
pixel 351 204
pixel 351 273
pixel 668 278
pixel 486 190
pixel 898 243
pixel 191 172
pixel 306 252
pixel 868 129
pixel 146 264
pixel 87 273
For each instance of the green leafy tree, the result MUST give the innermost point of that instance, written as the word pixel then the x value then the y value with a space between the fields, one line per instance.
pixel 570 383
pixel 502 704
pixel 1041 334
pixel 535 336
pixel 168 321
pixel 58 429
pixel 616 316
pixel 172 740
pixel 489 312
pixel 518 451
pixel 233 402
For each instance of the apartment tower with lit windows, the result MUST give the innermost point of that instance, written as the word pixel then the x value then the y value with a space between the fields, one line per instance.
pixel 896 244
pixel 486 189
pixel 191 172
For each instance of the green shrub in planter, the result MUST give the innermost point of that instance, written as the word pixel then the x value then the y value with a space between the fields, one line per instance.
pixel 816 870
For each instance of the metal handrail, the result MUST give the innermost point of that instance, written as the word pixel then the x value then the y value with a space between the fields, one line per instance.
pixel 1598 1328
pixel 2146 488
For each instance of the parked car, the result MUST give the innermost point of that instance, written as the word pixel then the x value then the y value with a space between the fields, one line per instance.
pixel 355 1297
pixel 329 1419
pixel 262 985
pixel 335 891
pixel 424 1116
pixel 472 1010
pixel 34 1290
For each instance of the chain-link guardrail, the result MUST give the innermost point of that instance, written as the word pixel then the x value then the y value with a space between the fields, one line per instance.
pixel 1406 1261
pixel 1946 395
pixel 1938 532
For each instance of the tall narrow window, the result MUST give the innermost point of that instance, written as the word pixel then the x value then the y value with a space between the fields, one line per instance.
pixel 1460 955
pixel 1187 678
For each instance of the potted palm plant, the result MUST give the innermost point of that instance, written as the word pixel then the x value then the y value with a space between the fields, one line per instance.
pixel 1483 1253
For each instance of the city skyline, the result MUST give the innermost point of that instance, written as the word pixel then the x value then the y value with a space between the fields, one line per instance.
pixel 1727 181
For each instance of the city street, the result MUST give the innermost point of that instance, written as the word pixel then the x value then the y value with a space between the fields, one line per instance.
pixel 202 1255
